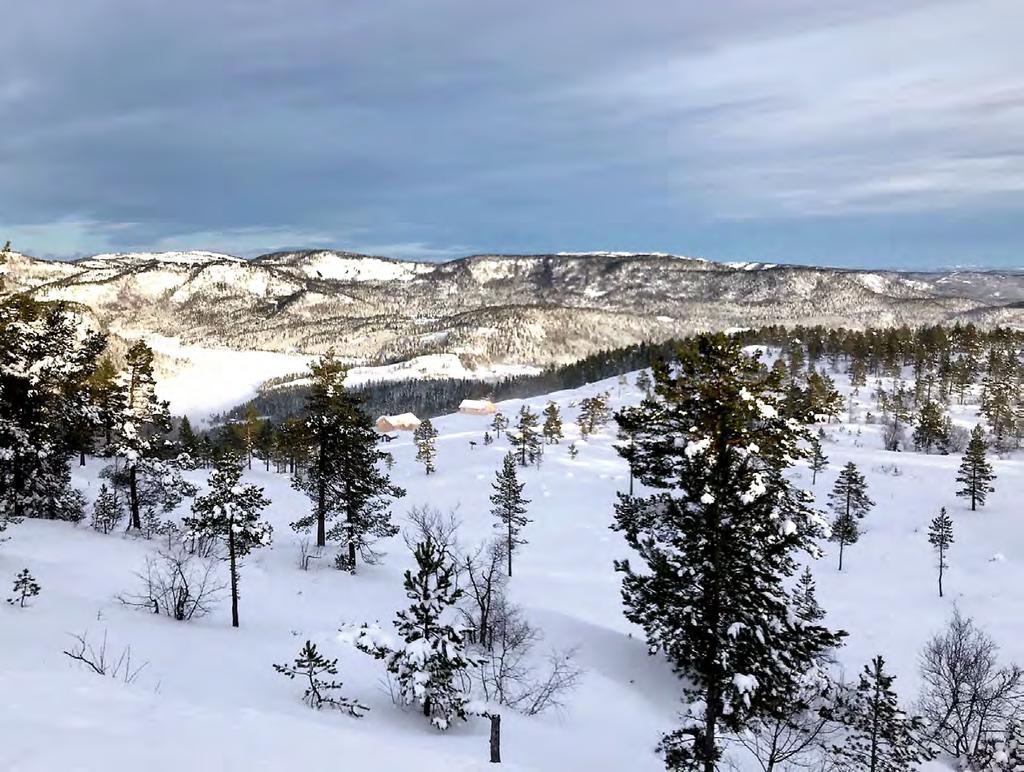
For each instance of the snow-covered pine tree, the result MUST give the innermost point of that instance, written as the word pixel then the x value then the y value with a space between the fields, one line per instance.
pixel 573 450
pixel 940 536
pixel 817 461
pixel 719 541
pixel 552 429
pixel 139 429
pixel 975 474
pixel 106 510
pixel 320 692
pixel 805 599
pixel 931 432
pixel 430 664
pixel 25 587
pixel 343 479
pixel 526 439
pixel 509 506
pixel 879 736
pixel 425 438
pixel 45 362
pixel 230 511
pixel 499 424
pixel 188 443
pixel 1003 753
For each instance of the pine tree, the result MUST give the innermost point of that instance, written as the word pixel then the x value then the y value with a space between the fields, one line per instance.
pixel 644 382
pixel 931 430
pixel 850 503
pixel 499 424
pixel 343 479
pixel 712 595
pixel 312 665
pixel 425 438
pixel 139 429
pixel 573 450
pixel 248 432
pixel 975 472
pixel 430 664
pixel 818 460
pixel 230 511
pixel 879 736
pixel 552 430
pixel 594 415
pixel 526 439
pixel 25 587
pixel 509 506
pixel 188 443
pixel 106 511
pixel 45 365
pixel 940 536
pixel 805 599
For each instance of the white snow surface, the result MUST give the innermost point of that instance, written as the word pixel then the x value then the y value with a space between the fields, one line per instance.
pixel 208 697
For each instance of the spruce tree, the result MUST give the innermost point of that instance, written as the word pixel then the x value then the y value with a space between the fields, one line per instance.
pixel 320 693
pixel 552 430
pixel 429 666
pixel 343 480
pixel 230 511
pixel 509 506
pixel 940 536
pixel 719 540
pixel 644 382
pixel 879 736
pixel 188 443
pixel 425 438
pixel 106 511
pixel 975 474
pixel 818 461
pixel 594 414
pixel 850 503
pixel 805 599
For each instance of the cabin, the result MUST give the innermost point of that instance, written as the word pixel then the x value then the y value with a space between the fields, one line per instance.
pixel 477 407
pixel 405 422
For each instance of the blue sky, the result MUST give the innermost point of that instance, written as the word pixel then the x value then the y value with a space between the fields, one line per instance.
pixel 845 132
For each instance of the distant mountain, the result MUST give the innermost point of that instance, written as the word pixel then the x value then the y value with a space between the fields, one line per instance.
pixel 531 309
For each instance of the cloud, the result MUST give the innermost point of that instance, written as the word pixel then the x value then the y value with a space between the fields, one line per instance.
pixel 419 127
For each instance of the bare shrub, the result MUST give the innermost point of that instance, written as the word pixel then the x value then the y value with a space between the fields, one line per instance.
pixel 307 552
pixel 178 583
pixel 426 522
pixel 967 696
pixel 98 661
pixel 483 579
pixel 506 674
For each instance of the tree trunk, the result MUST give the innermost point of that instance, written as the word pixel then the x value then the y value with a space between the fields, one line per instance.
pixel 841 555
pixel 133 498
pixel 234 575
pixel 941 561
pixel 321 515
pixel 510 545
pixel 352 553
pixel 81 458
pixel 495 737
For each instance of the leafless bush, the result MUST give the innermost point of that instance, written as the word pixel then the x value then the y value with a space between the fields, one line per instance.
pixel 801 738
pixel 483 580
pixel 426 521
pixel 505 673
pixel 178 583
pixel 967 695
pixel 307 552
pixel 96 659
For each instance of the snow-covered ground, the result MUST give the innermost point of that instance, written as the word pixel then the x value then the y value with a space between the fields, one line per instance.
pixel 208 697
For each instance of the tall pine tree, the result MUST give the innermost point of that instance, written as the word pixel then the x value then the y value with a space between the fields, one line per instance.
pixel 719 541
pixel 343 479
pixel 975 474
pixel 552 429
pixel 940 536
pixel 509 506
pixel 230 512
pixel 425 438
pixel 849 500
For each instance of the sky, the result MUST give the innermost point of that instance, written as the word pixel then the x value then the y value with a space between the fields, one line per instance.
pixel 834 132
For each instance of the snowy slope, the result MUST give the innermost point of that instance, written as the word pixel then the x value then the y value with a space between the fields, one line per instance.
pixel 206 681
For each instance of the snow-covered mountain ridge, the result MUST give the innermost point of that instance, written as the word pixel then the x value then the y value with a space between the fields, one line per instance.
pixel 528 309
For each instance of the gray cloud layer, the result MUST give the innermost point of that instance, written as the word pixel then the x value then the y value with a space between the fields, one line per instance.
pixel 827 130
